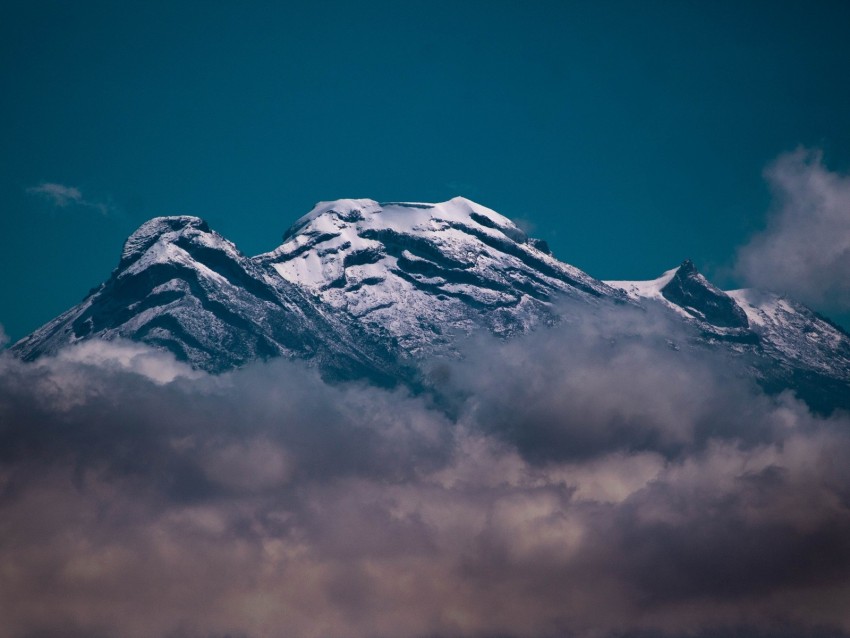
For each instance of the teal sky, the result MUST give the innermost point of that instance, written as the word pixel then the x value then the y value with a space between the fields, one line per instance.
pixel 630 135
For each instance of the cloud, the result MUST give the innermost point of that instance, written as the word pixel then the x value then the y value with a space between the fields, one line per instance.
pixel 590 480
pixel 62 196
pixel 805 249
pixel 57 193
pixel 157 365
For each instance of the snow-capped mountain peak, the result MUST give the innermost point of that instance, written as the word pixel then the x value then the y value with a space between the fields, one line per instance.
pixel 689 290
pixel 161 229
pixel 415 270
pixel 186 242
pixel 183 287
pixel 403 216
pixel 685 290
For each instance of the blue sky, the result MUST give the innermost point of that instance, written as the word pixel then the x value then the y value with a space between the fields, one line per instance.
pixel 629 135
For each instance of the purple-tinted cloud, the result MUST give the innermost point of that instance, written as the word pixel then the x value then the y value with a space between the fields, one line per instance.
pixel 567 483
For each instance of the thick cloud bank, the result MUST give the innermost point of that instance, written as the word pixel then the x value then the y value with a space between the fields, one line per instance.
pixel 567 484
pixel 805 249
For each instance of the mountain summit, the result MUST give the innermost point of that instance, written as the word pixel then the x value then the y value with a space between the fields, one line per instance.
pixel 416 272
pixel 368 289
pixel 688 289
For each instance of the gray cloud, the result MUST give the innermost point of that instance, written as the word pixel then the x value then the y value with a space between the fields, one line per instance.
pixel 62 196
pixel 570 483
pixel 623 379
pixel 805 249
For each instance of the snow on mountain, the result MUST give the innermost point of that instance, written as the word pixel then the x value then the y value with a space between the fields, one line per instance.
pixel 795 333
pixel 418 272
pixel 185 288
pixel 685 290
pixel 651 289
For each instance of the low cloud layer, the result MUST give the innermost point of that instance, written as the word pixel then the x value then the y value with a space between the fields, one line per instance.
pixel 603 478
pixel 805 249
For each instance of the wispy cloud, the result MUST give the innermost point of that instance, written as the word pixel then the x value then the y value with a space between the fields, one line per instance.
pixel 63 196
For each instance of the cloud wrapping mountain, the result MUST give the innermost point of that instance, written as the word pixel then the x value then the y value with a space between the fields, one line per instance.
pixel 588 479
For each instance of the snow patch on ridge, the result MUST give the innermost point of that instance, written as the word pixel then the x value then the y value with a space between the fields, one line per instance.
pixel 155 229
pixel 651 289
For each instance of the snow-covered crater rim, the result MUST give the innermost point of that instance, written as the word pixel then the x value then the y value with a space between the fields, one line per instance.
pixel 400 214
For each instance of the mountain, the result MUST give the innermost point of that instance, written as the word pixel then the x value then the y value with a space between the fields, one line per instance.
pixel 363 288
pixel 185 288
pixel 418 273
pixel 367 290
pixel 790 345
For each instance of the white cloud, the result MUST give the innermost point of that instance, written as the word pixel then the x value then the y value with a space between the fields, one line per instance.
pixel 805 249
pixel 62 196
pixel 157 365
